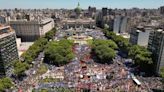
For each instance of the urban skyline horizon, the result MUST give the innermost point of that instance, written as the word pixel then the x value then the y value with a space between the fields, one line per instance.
pixel 71 4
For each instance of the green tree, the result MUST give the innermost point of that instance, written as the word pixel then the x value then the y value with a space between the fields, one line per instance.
pixel 104 53
pixel 27 57
pixel 162 72
pixel 42 69
pixel 141 57
pixel 104 50
pixel 122 43
pixel 19 68
pixel 59 52
pixel 108 43
pixel 111 35
pixel 49 35
pixel 5 83
pixel 34 50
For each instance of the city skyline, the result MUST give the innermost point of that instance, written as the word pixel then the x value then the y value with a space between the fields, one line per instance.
pixel 71 4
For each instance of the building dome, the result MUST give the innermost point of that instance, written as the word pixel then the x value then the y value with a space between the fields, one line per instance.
pixel 78 9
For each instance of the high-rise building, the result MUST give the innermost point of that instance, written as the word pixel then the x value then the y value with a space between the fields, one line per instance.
pixel 140 36
pixel 156 46
pixel 161 10
pixel 110 12
pixel 117 24
pixel 2 19
pixel 124 25
pixel 8 50
pixel 104 11
pixel 120 24
pixel 32 30
pixel 91 11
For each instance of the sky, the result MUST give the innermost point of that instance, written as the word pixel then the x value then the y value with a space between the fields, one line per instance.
pixel 71 4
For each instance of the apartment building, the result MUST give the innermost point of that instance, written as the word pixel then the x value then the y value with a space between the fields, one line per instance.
pixel 8 50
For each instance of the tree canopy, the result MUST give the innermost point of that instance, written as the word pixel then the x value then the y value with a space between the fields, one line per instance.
pixel 122 43
pixel 104 50
pixel 20 67
pixel 108 43
pixel 5 83
pixel 59 52
pixel 162 72
pixel 141 57
pixel 49 35
pixel 42 69
pixel 34 50
pixel 28 57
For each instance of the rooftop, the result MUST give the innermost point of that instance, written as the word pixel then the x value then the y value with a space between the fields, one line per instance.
pixel 3 27
pixel 78 20
pixel 36 21
pixel 5 31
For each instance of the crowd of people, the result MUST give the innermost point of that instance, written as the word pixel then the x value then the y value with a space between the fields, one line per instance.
pixel 84 73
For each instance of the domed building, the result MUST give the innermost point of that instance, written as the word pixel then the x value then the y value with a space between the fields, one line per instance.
pixel 77 20
pixel 78 10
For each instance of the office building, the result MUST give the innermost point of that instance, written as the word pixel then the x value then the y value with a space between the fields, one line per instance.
pixel 91 11
pixel 2 19
pixel 117 24
pixel 161 10
pixel 104 11
pixel 31 30
pixel 140 36
pixel 156 46
pixel 110 12
pixel 8 50
pixel 120 24
pixel 124 25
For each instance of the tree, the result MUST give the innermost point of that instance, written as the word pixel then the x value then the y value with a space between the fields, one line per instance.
pixel 141 57
pixel 49 35
pixel 108 43
pixel 122 43
pixel 42 69
pixel 5 83
pixel 27 57
pixel 59 52
pixel 162 72
pixel 41 42
pixel 19 68
pixel 34 50
pixel 111 35
pixel 104 53
pixel 104 50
